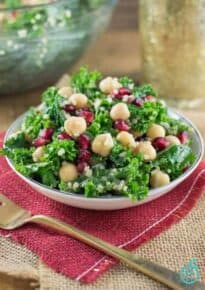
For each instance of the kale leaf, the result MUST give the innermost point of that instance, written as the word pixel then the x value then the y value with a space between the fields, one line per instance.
pixel 126 82
pixel 175 159
pixel 58 151
pixel 101 124
pixel 41 171
pixel 120 155
pixel 143 117
pixel 174 126
pixel 18 140
pixel 144 90
pixel 12 3
pixel 24 20
pixel 33 122
pixel 131 180
pixel 86 82
pixel 18 155
pixel 53 106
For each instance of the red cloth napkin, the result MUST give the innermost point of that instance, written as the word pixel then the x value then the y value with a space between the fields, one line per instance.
pixel 127 228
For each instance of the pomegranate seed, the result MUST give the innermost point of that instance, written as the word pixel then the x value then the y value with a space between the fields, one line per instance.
pixel 160 143
pixel 120 93
pixel 46 133
pixel 130 99
pixel 63 136
pixel 89 116
pixel 117 96
pixel 84 155
pixel 137 102
pixel 84 141
pixel 124 91
pixel 150 98
pixel 121 125
pixel 69 108
pixel 39 142
pixel 14 14
pixel 183 137
pixel 81 166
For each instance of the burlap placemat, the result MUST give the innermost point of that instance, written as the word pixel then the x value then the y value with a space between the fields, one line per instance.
pixel 173 248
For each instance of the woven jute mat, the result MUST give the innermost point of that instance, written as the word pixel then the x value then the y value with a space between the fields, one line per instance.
pixel 173 248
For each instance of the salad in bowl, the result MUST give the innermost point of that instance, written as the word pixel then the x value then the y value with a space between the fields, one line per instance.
pixel 101 137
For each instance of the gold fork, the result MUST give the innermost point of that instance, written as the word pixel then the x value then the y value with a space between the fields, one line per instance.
pixel 13 216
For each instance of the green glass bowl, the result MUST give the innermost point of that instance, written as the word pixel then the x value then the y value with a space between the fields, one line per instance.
pixel 35 53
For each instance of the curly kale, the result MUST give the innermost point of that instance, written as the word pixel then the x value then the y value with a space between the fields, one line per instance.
pixel 143 117
pixel 144 90
pixel 120 156
pixel 53 106
pixel 127 82
pixel 11 3
pixel 18 155
pixel 33 122
pixel 173 126
pixel 122 172
pixel 17 140
pixel 87 82
pixel 101 124
pixel 23 21
pixel 175 160
pixel 119 180
pixel 58 151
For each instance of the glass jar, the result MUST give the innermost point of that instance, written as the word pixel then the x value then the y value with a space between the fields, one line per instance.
pixel 173 49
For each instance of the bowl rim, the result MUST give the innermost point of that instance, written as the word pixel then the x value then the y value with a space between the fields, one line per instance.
pixel 152 192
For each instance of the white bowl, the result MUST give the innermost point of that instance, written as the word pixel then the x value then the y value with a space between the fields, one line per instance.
pixel 112 202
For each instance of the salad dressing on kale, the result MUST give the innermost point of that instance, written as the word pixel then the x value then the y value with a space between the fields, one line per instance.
pixel 101 136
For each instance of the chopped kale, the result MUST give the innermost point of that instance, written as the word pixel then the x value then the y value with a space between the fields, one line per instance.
pixel 123 171
pixel 175 159
pixel 18 140
pixel 144 90
pixel 143 117
pixel 87 82
pixel 33 122
pixel 53 107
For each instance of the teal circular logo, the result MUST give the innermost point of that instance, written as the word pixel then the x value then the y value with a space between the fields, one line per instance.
pixel 189 273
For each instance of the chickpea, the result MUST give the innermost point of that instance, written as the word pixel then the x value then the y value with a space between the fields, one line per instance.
pixel 126 139
pixel 147 150
pixel 155 131
pixel 68 172
pixel 120 111
pixel 172 140
pixel 159 178
pixel 37 154
pixel 75 126
pixel 65 92
pixel 109 84
pixel 78 100
pixel 102 144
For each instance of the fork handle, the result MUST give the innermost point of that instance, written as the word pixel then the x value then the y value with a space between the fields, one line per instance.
pixel 155 271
